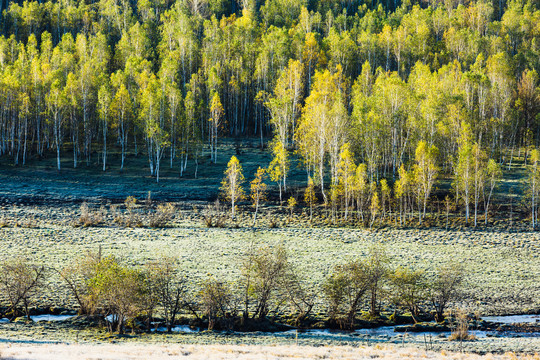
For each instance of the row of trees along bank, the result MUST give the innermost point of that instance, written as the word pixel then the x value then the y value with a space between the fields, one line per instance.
pixel 269 283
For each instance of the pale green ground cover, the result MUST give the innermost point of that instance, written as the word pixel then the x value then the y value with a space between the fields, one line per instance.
pixel 503 268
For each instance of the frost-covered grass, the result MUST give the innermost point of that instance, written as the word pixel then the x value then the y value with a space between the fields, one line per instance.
pixel 226 352
pixel 502 267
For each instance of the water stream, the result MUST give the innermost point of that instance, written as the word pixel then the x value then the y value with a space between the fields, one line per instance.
pixel 380 332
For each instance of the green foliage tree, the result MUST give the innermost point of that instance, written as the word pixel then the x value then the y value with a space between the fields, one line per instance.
pixel 446 288
pixel 119 291
pixel 409 289
pixel 216 111
pixel 344 290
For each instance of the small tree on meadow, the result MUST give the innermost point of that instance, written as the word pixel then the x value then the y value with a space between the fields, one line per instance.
pixel 20 281
pixel 376 266
pixel 119 291
pixel 258 190
pixel 218 303
pixel 231 186
pixel 310 198
pixel 291 204
pixel 169 287
pixel 344 290
pixel 263 271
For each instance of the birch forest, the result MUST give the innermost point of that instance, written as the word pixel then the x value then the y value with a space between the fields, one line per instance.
pixel 378 102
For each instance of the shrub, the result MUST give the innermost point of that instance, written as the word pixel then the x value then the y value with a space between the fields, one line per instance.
pixel 88 218
pixel 132 218
pixel 408 289
pixel 460 327
pixel 446 288
pixel 300 297
pixel 214 215
pixel 273 223
pixel 77 276
pixel 20 282
pixel 163 214
pixel 344 290
pixel 377 269
pixel 168 286
pixel 119 291
pixel 263 271
pixel 218 304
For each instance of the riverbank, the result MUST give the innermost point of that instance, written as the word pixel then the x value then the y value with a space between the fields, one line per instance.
pixel 20 334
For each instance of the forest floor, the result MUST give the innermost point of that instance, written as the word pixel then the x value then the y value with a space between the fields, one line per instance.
pixel 39 181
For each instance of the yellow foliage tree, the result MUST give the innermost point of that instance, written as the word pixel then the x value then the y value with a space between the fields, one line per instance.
pixel 425 173
pixel 279 166
pixel 258 190
pixel 216 112
pixel 310 197
pixel 231 186
pixel 375 206
pixel 347 172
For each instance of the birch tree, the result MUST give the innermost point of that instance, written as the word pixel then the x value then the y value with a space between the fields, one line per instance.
pixel 258 191
pixel 534 185
pixel 56 104
pixel 104 101
pixel 279 166
pixel 425 173
pixel 216 116
pixel 347 173
pixel 121 111
pixel 464 171
pixel 231 186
